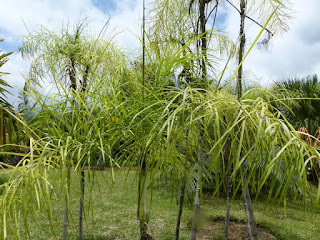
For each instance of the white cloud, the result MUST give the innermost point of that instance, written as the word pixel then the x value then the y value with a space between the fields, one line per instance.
pixel 17 67
pixel 20 16
pixel 127 21
pixel 293 54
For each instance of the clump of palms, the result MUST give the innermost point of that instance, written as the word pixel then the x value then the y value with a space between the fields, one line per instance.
pixel 106 110
pixel 74 64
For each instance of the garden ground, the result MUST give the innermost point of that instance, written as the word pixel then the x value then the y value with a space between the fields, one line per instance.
pixel 112 214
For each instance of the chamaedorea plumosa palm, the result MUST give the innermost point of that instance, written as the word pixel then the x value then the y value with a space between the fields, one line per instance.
pixel 149 117
pixel 75 60
pixel 277 21
pixel 74 136
pixel 173 25
pixel 265 141
pixel 260 141
pixel 259 144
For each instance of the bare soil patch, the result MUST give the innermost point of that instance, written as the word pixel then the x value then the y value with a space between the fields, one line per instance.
pixel 214 230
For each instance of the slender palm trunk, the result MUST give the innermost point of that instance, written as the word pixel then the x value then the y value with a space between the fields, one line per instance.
pixel 196 207
pixel 202 17
pixel 227 156
pixel 143 214
pixel 242 43
pixel 65 221
pixel 81 205
pixel 73 88
pixel 66 208
pixel 253 224
pixel 182 194
pixel 250 219
pixel 227 220
pixel 83 89
pixel 245 201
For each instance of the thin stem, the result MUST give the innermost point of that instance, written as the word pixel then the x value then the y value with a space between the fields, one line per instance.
pixel 202 18
pixel 227 220
pixel 66 208
pixel 182 193
pixel 250 18
pixel 196 207
pixel 241 50
pixel 245 202
pixel 144 45
pixel 81 205
pixel 254 229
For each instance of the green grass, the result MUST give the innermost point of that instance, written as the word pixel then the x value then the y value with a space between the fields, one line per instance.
pixel 300 223
pixel 113 213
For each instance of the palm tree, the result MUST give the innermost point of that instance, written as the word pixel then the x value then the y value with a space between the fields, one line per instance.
pixel 3 83
pixel 6 110
pixel 73 60
pixel 301 108
pixel 303 95
pixel 152 120
pixel 171 13
pixel 277 21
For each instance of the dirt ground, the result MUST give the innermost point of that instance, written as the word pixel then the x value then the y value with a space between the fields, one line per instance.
pixel 214 230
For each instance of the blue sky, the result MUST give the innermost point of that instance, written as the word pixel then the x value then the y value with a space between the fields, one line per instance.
pixel 295 53
pixel 30 14
pixel 8 46
pixel 107 7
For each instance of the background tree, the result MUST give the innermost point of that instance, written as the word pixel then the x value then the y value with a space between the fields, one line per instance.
pixel 3 84
pixel 6 110
pixel 301 108
pixel 304 108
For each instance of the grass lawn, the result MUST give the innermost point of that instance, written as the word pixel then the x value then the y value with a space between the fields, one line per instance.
pixel 112 213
